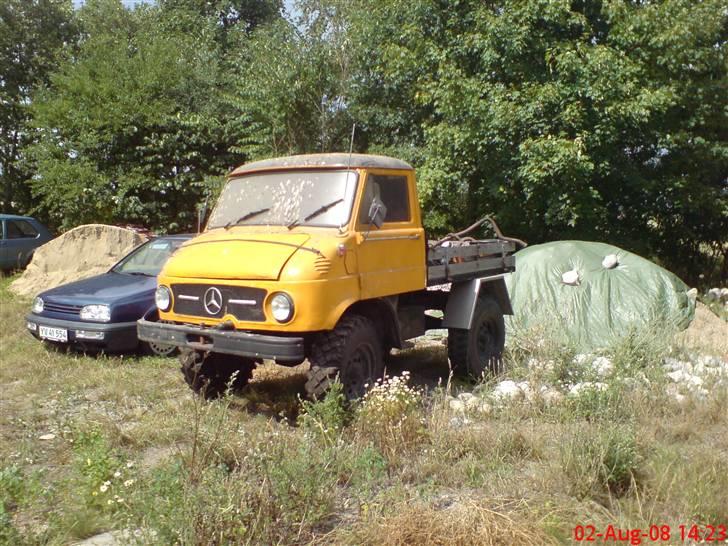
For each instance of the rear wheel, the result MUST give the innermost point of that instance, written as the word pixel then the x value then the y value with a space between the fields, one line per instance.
pixel 352 352
pixel 212 374
pixel 479 351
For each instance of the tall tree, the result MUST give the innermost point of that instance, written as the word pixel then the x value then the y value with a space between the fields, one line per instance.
pixel 567 118
pixel 133 128
pixel 291 84
pixel 31 34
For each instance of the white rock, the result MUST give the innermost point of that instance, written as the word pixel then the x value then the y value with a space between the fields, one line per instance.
pixel 457 405
pixel 582 359
pixel 713 294
pixel 47 437
pixel 602 365
pixel 465 396
pixel 551 396
pixel 570 277
pixel 586 386
pixel 678 376
pixel 610 261
pixel 506 389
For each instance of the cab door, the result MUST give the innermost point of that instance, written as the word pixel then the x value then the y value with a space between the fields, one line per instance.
pixel 391 258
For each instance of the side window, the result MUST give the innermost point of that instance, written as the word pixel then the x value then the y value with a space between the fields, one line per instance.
pixel 20 229
pixel 390 190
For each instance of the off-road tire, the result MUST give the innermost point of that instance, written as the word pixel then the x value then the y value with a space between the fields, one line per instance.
pixel 353 352
pixel 479 351
pixel 209 374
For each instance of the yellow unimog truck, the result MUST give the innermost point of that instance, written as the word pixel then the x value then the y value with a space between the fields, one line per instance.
pixel 324 257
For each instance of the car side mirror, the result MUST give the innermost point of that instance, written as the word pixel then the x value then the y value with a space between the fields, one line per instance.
pixel 377 213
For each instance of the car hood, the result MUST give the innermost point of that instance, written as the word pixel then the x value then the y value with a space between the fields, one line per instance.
pixel 106 288
pixel 230 255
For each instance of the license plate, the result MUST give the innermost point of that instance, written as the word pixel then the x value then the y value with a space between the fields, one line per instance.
pixel 54 334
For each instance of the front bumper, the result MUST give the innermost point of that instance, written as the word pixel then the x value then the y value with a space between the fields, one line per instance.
pixel 112 336
pixel 282 349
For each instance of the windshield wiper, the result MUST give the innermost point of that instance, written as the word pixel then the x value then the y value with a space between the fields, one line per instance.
pixel 246 216
pixel 139 273
pixel 315 213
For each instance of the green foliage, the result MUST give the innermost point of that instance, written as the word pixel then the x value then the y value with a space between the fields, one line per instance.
pixel 32 33
pixel 599 462
pixel 564 119
pixel 578 120
pixel 326 418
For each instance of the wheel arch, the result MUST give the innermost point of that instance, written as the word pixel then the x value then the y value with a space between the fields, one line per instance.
pixel 464 297
pixel 383 313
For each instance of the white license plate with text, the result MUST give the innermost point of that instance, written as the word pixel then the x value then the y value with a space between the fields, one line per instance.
pixel 54 334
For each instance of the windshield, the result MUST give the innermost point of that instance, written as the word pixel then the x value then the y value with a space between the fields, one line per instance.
pixel 291 198
pixel 149 258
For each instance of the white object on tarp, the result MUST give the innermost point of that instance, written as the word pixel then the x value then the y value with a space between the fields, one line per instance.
pixel 610 261
pixel 570 277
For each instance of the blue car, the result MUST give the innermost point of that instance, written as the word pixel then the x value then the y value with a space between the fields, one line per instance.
pixel 21 235
pixel 100 313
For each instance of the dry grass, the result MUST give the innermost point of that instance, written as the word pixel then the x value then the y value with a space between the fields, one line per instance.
pixel 463 522
pixel 250 469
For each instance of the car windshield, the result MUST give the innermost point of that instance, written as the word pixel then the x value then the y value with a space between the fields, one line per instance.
pixel 291 198
pixel 149 258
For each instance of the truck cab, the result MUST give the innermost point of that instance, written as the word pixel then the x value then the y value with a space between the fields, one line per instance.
pixel 319 257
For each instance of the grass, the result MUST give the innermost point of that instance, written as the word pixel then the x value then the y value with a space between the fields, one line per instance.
pixel 129 449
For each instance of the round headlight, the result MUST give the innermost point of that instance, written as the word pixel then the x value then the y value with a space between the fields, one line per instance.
pixel 163 298
pixel 38 305
pixel 282 307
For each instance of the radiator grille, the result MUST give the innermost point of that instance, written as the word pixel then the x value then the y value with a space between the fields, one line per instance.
pixel 243 302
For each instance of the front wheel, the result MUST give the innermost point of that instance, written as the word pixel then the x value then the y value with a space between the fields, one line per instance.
pixel 479 351
pixel 211 374
pixel 353 352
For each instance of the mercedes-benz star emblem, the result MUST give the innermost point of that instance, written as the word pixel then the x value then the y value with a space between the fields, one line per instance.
pixel 213 301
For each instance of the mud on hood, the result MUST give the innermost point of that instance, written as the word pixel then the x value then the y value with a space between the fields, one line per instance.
pixel 254 256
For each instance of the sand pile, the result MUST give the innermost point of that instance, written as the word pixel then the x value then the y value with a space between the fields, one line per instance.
pixel 82 252
pixel 706 334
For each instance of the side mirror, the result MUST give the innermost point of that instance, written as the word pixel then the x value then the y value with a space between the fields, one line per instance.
pixel 377 213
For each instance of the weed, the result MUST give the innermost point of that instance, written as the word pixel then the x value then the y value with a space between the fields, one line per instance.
pixel 390 417
pixel 600 461
pixel 325 418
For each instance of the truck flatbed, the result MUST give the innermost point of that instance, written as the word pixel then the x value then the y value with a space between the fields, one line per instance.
pixel 454 261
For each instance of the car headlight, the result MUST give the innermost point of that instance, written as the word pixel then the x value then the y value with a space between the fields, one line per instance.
pixel 100 313
pixel 38 305
pixel 163 298
pixel 281 306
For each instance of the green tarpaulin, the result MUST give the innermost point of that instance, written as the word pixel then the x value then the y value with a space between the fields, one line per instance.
pixel 593 293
